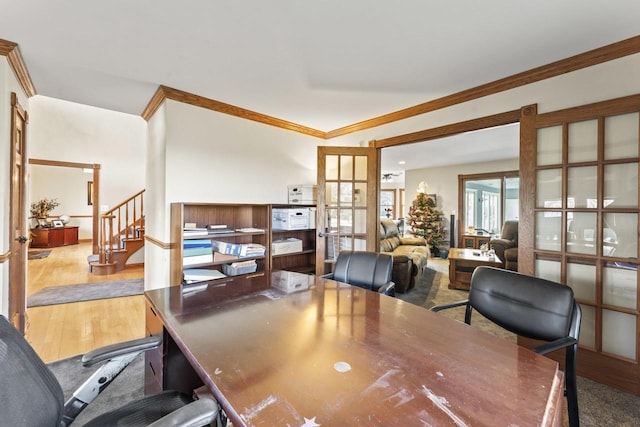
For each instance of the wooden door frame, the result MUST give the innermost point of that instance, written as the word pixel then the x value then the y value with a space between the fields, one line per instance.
pixel 95 167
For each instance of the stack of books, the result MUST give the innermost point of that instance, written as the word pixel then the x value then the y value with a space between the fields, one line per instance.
pixel 197 251
pixel 240 250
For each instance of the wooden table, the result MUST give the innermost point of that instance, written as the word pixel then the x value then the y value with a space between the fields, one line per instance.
pixel 299 350
pixel 462 262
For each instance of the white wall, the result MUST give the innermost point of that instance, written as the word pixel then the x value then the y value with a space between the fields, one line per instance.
pixel 70 132
pixel 8 84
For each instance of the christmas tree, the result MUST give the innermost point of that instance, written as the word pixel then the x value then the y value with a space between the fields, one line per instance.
pixel 426 220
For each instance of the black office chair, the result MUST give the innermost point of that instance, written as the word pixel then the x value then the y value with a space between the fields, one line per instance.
pixel 368 270
pixel 31 395
pixel 533 308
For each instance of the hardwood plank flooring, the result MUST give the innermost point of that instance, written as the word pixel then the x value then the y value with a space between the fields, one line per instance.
pixel 65 330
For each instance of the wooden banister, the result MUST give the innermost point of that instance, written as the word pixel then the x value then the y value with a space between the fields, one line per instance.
pixel 128 217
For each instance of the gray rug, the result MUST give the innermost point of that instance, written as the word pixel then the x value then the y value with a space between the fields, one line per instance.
pixel 39 254
pixel 128 386
pixel 86 292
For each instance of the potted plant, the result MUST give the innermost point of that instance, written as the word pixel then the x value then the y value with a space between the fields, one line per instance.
pixel 41 209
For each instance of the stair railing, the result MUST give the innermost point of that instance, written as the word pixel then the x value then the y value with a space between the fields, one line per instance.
pixel 126 220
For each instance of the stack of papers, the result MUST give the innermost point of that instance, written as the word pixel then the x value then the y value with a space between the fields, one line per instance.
pixel 201 274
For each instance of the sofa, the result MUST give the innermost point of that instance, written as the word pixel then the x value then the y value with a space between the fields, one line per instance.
pixel 410 255
pixel 506 246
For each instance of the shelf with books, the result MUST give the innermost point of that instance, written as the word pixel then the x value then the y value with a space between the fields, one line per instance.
pixel 245 225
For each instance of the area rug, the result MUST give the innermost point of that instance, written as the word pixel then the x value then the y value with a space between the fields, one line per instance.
pixel 39 254
pixel 127 386
pixel 86 292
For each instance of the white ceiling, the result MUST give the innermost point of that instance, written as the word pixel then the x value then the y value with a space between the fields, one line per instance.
pixel 323 64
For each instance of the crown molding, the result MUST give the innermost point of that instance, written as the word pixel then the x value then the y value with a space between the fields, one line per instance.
pixel 165 92
pixel 12 52
pixel 583 60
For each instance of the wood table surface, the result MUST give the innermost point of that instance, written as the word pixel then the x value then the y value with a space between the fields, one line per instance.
pixel 292 349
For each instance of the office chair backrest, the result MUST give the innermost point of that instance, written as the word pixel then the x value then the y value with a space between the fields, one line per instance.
pixel 29 392
pixel 369 270
pixel 525 305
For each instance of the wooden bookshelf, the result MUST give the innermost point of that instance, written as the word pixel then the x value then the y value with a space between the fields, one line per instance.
pixel 234 216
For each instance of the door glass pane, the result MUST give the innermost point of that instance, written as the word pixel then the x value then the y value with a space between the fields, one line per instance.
pixel 360 194
pixel 620 235
pixel 581 277
pixel 511 198
pixel 621 136
pixel 549 188
pixel 549 146
pixel 583 141
pixel 548 230
pixel 582 187
pixel 361 168
pixel 581 233
pixel 360 221
pixel 619 333
pixel 620 285
pixel 621 185
pixel 346 167
pixel 547 269
pixel 346 221
pixel 346 193
pixel 331 167
pixel 332 220
pixel 331 197
pixel 588 327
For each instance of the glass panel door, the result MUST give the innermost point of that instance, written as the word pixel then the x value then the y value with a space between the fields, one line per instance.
pixel 583 212
pixel 347 203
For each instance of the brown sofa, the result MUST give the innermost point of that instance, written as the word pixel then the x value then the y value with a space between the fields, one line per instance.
pixel 506 246
pixel 410 255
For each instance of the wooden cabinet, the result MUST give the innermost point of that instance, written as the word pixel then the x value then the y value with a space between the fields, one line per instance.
pixel 474 241
pixel 53 237
pixel 233 216
pixel 303 261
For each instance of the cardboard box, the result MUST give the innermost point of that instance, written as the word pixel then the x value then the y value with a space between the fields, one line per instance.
pixel 290 219
pixel 289 281
pixel 286 246
pixel 302 194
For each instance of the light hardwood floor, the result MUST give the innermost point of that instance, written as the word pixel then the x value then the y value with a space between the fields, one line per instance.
pixel 64 330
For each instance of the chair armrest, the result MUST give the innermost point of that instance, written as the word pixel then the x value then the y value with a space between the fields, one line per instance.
pixel 416 241
pixel 388 288
pixel 201 412
pixel 555 345
pixel 503 243
pixel 110 351
pixel 448 306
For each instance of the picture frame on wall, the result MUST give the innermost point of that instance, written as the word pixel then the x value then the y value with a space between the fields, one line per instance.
pixel 57 223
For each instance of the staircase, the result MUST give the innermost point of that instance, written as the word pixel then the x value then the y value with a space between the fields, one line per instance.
pixel 121 235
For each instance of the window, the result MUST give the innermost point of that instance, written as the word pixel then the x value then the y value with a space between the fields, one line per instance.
pixel 388 203
pixel 488 200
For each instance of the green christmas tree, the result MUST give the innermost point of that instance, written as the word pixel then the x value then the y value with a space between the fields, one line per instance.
pixel 426 220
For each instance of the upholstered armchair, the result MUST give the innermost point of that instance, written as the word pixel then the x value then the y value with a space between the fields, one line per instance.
pixel 506 246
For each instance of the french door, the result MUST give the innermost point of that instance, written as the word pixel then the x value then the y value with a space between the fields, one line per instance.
pixel 347 203
pixel 580 209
